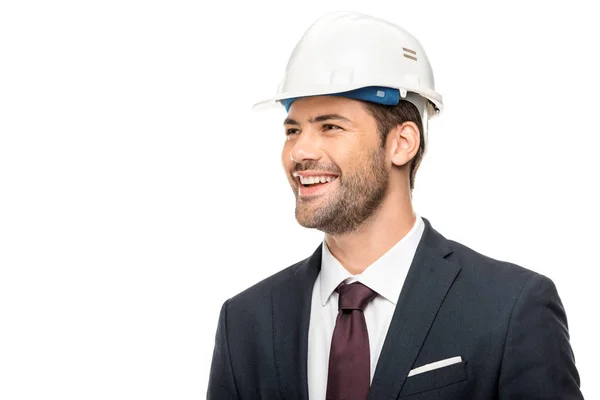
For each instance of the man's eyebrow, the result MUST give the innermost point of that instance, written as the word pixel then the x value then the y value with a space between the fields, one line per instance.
pixel 327 117
pixel 289 121
pixel 320 118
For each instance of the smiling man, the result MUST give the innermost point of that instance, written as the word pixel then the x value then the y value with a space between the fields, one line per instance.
pixel 386 307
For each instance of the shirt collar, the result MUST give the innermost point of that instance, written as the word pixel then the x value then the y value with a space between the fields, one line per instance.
pixel 385 276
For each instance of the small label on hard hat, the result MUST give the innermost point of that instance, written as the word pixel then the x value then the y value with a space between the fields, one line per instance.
pixel 380 93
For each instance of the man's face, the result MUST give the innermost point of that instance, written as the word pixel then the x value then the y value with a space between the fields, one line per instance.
pixel 334 141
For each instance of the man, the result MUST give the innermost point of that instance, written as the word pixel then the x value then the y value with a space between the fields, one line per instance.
pixel 386 307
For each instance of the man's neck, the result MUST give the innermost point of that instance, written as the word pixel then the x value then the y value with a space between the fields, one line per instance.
pixel 359 249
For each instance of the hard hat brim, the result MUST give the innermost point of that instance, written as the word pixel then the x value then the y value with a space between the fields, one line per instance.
pixel 274 102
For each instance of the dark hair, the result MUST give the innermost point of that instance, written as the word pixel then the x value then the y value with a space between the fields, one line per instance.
pixel 388 117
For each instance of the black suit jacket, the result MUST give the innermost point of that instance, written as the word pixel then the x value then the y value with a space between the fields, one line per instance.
pixel 506 322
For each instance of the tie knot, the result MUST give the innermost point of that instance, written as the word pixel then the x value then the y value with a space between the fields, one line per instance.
pixel 354 296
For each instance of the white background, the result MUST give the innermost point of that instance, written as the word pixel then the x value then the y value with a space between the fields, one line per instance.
pixel 139 191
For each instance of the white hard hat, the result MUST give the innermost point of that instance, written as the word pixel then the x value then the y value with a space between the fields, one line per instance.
pixel 345 51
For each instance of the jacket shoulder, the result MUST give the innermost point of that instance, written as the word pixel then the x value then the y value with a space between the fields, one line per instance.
pixel 261 290
pixel 488 270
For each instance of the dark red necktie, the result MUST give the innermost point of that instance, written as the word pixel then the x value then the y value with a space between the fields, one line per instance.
pixel 349 374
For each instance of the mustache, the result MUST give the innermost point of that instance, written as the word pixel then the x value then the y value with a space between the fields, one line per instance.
pixel 313 165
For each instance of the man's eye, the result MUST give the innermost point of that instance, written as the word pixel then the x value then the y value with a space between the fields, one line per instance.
pixel 328 127
pixel 291 131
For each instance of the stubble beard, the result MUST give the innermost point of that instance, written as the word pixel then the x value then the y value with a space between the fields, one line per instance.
pixel 357 197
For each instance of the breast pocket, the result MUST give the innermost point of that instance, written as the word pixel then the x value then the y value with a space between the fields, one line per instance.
pixel 435 379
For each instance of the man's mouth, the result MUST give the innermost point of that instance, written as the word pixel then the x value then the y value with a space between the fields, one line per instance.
pixel 315 180
pixel 314 184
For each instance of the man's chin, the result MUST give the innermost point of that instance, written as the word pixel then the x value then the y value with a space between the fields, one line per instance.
pixel 306 218
pixel 306 224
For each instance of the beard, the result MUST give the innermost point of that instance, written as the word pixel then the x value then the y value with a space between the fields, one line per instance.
pixel 347 207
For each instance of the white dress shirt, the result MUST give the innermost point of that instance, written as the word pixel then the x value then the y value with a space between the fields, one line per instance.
pixel 385 276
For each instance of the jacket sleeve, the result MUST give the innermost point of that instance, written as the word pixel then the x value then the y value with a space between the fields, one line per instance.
pixel 538 361
pixel 221 384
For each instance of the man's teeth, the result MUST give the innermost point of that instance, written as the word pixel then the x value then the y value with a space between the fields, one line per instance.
pixel 316 179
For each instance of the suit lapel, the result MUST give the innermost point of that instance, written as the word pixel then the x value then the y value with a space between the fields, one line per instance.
pixel 291 301
pixel 429 279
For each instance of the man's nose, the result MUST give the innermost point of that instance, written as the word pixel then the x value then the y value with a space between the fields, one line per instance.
pixel 306 147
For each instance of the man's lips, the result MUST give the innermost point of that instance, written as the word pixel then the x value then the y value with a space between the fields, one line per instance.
pixel 312 183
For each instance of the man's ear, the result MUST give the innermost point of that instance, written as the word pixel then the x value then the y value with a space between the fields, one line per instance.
pixel 403 143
